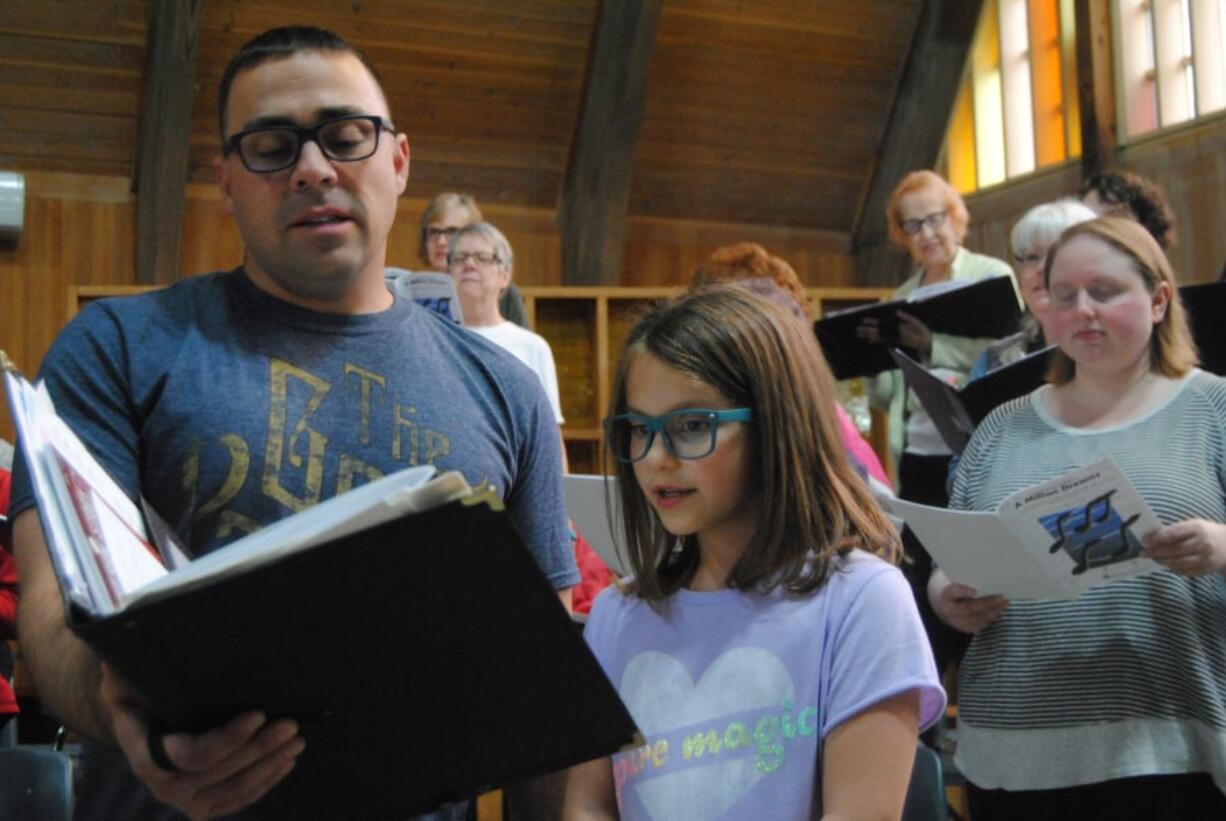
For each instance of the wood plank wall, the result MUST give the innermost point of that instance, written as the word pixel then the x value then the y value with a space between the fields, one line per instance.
pixel 1190 165
pixel 80 229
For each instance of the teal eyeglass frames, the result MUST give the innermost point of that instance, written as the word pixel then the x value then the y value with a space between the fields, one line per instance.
pixel 689 433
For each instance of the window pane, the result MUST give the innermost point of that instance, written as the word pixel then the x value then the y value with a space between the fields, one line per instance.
pixel 1068 61
pixel 1049 127
pixel 1136 50
pixel 1015 87
pixel 1208 42
pixel 1173 62
pixel 960 141
pixel 986 88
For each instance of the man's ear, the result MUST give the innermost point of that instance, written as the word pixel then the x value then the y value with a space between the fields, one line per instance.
pixel 223 184
pixel 400 159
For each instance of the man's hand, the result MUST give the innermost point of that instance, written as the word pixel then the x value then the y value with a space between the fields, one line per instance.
pixel 960 607
pixel 1194 547
pixel 220 771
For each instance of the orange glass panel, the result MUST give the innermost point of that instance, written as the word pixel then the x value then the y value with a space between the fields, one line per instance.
pixel 960 141
pixel 1045 73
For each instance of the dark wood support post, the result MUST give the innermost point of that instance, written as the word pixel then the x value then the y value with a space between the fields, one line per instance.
pixel 926 94
pixel 1095 86
pixel 160 181
pixel 596 189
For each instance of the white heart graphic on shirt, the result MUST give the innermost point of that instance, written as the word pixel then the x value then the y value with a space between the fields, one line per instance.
pixel 662 696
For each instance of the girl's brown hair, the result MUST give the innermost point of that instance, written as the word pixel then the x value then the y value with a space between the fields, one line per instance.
pixel 1172 351
pixel 810 504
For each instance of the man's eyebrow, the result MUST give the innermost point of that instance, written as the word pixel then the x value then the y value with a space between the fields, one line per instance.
pixel 276 120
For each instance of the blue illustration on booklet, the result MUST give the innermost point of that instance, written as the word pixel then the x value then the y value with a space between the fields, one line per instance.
pixel 1093 535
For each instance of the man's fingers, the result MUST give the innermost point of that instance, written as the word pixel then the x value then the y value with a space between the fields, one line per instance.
pixel 234 803
pixel 225 757
pixel 195 753
pixel 249 784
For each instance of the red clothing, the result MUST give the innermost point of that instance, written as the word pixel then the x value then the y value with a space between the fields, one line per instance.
pixel 595 574
pixel 8 594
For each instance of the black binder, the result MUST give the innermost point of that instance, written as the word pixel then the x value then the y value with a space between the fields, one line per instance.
pixel 956 412
pixel 424 654
pixel 425 659
pixel 984 308
pixel 1206 306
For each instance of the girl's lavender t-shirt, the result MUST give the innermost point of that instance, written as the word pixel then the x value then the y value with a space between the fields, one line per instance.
pixel 734 691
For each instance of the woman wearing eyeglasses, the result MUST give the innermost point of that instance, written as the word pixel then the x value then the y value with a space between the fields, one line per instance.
pixel 1029 240
pixel 481 263
pixel 928 218
pixel 446 214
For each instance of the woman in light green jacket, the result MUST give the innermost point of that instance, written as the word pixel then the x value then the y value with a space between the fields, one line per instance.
pixel 928 218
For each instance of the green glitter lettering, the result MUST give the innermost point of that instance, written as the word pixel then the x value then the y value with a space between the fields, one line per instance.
pixel 770 754
pixel 695 745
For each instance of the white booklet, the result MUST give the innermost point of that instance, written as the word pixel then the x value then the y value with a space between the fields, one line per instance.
pixel 587 506
pixel 1054 540
pixel 102 552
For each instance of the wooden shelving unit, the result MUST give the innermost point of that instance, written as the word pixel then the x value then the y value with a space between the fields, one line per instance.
pixel 587 327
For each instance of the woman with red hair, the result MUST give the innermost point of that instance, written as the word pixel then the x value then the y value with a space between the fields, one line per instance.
pixel 928 218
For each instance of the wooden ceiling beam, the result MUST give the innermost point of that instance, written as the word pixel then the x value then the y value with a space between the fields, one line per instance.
pixel 596 188
pixel 164 138
pixel 915 129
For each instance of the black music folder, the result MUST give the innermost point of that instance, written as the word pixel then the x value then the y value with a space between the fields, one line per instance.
pixel 1206 306
pixel 982 308
pixel 957 411
pixel 404 624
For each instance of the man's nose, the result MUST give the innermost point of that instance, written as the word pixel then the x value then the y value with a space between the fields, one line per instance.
pixel 313 168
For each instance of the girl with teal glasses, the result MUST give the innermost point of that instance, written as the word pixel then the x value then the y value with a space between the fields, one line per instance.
pixel 766 644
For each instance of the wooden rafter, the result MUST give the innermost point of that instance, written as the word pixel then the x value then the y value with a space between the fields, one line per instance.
pixel 596 189
pixel 1095 86
pixel 160 181
pixel 916 127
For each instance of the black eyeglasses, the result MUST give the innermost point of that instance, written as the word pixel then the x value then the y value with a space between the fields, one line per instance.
pixel 912 227
pixel 689 433
pixel 484 257
pixel 435 234
pixel 273 148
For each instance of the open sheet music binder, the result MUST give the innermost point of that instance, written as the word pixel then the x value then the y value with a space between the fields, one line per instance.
pixel 982 308
pixel 956 412
pixel 425 658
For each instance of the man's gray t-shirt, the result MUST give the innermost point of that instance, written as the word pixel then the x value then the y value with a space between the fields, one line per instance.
pixel 229 409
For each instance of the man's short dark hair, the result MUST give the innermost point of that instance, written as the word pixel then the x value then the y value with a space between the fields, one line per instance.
pixel 277 44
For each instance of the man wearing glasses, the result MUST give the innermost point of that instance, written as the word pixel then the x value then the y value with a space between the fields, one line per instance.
pixel 235 399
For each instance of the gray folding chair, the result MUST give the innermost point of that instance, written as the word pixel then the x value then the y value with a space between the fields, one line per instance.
pixel 35 784
pixel 926 792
